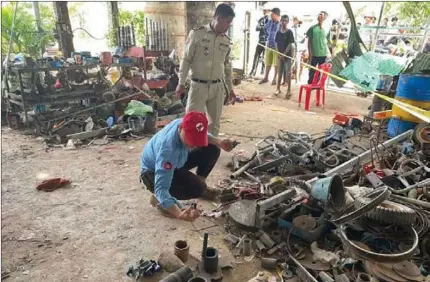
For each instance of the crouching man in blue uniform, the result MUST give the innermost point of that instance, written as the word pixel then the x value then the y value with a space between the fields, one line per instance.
pixel 168 158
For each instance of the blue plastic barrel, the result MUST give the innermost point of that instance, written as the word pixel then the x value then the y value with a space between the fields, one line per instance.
pixel 397 126
pixel 413 89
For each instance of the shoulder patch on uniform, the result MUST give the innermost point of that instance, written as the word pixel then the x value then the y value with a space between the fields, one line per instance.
pixel 167 165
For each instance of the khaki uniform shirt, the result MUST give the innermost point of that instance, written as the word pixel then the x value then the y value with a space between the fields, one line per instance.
pixel 208 57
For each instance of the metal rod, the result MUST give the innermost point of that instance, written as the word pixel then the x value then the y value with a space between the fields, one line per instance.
pixel 101 105
pixel 412 201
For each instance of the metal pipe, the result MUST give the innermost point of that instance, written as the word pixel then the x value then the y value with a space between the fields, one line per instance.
pixel 377 28
pixel 412 201
pixel 407 189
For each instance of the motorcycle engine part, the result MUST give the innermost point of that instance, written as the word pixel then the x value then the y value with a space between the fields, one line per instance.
pixel 425 268
pixel 364 253
pixel 388 212
pixel 269 263
pixel 247 247
pixel 377 196
pixel 182 274
pixel 260 246
pixel 408 270
pixel 363 277
pixel 305 222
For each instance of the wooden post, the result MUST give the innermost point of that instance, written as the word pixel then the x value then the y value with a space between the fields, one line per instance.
pixel 64 28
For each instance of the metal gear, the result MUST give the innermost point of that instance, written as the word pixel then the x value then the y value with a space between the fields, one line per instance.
pixel 388 212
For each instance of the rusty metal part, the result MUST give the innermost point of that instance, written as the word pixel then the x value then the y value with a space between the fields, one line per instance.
pixel 377 196
pixel 341 278
pixel 325 277
pixel 247 247
pixel 303 269
pixel 260 246
pixel 305 222
pixel 363 277
pixel 287 274
pixel 408 270
pixel 389 212
pixel 365 254
pixel 310 263
pixel 276 236
pixel 269 263
pixel 412 201
pixel 266 240
pixel 276 248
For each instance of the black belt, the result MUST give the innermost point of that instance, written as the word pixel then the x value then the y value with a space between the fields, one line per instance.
pixel 206 81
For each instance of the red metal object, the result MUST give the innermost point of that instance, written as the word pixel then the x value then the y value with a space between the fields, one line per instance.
pixel 316 85
pixel 341 119
pixel 157 84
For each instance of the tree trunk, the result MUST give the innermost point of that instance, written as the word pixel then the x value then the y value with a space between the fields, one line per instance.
pixel 113 18
pixel 64 28
pixel 38 24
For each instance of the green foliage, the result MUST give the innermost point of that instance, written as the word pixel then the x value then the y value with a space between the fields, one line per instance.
pixel 414 14
pixel 26 38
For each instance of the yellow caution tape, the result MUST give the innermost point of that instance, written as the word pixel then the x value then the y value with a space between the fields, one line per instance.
pixel 413 110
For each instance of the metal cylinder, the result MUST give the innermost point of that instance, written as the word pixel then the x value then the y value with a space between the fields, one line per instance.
pixel 269 263
pixel 197 279
pixel 182 250
pixel 276 236
pixel 210 262
pixel 363 277
pixel 247 247
pixel 181 275
pixel 205 244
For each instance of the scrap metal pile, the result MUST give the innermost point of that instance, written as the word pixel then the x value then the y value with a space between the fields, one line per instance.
pixel 334 214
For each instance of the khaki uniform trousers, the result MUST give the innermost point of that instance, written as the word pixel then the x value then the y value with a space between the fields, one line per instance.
pixel 207 98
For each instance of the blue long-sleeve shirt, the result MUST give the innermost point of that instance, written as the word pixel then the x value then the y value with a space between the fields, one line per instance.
pixel 163 153
pixel 270 29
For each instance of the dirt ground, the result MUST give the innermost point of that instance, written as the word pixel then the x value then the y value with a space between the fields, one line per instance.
pixel 103 223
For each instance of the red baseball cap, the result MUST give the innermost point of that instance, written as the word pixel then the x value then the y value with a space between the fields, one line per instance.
pixel 195 127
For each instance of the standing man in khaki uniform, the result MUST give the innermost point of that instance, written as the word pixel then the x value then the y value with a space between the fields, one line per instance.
pixel 207 54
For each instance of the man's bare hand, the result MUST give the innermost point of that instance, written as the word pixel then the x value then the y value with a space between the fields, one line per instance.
pixel 180 89
pixel 232 99
pixel 189 214
pixel 226 145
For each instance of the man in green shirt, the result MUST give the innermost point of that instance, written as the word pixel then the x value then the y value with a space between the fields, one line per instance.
pixel 317 44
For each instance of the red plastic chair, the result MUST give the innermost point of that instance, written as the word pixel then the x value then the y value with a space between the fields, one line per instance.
pixel 316 85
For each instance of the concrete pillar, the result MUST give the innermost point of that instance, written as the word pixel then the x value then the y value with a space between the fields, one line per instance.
pixel 172 13
pixel 199 13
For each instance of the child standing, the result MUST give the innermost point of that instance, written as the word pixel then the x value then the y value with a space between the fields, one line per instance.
pixel 284 44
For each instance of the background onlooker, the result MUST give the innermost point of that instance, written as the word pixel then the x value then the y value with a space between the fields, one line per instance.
pixel 271 28
pixel 317 44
